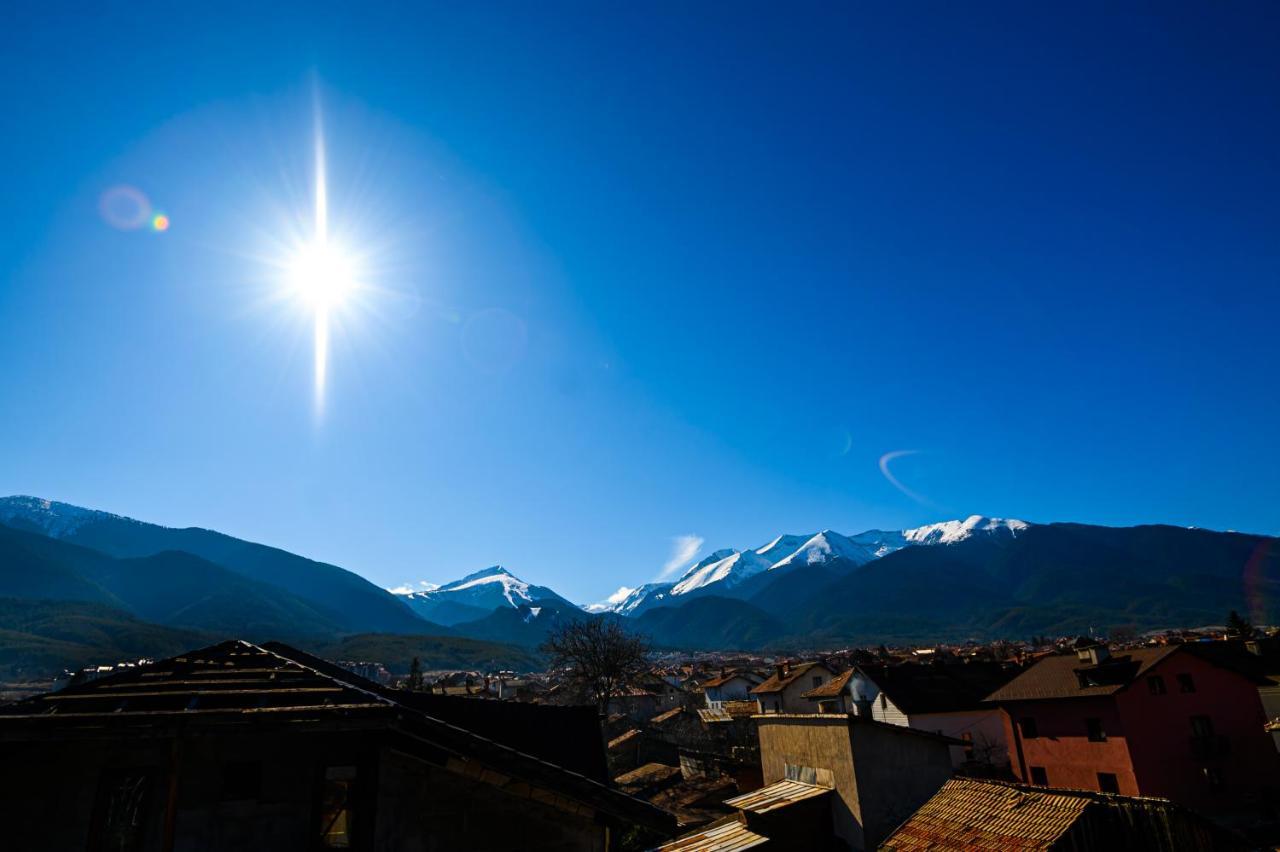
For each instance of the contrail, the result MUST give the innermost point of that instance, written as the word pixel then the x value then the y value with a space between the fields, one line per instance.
pixel 893 480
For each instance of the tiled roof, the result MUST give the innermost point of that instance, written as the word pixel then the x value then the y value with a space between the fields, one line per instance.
pixel 777 684
pixel 1060 676
pixel 730 837
pixel 780 794
pixel 976 815
pixel 831 688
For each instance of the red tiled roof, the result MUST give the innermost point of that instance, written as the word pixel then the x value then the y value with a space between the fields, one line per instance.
pixel 777 684
pixel 831 688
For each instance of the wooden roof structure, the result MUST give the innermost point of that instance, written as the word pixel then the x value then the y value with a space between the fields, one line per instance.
pixel 236 683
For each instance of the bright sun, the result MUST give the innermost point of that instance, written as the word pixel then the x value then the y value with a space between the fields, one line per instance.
pixel 323 275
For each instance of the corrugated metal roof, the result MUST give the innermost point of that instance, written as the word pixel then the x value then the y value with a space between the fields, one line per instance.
pixel 777 795
pixel 976 815
pixel 729 837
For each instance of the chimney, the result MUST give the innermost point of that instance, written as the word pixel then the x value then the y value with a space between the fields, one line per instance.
pixel 723 671
pixel 781 670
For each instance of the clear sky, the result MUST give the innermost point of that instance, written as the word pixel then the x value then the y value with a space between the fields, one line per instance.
pixel 646 273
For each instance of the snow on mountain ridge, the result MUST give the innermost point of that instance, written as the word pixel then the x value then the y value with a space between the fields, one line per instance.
pixel 825 546
pixel 950 532
pixel 730 571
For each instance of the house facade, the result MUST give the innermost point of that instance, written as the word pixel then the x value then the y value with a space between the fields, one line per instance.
pixel 878 774
pixel 729 686
pixel 1146 722
pixel 942 698
pixel 783 691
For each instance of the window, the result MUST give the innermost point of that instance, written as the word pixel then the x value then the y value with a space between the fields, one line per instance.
pixel 1028 726
pixel 1201 727
pixel 337 807
pixel 968 744
pixel 817 681
pixel 1095 731
pixel 1039 777
pixel 1214 776
pixel 1185 683
pixel 1155 683
pixel 1108 783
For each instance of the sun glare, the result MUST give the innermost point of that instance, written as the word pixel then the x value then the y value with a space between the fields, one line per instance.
pixel 323 275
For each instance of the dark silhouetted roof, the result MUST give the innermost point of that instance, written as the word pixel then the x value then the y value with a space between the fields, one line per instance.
pixel 939 687
pixel 236 682
pixel 1065 676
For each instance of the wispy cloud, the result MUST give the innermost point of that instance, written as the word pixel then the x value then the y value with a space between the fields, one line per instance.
pixel 893 480
pixel 683 549
pixel 619 596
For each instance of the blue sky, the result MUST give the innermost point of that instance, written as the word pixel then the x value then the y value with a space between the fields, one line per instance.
pixel 639 274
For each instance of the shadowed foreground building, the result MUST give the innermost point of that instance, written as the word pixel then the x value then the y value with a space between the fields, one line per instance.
pixel 978 815
pixel 238 747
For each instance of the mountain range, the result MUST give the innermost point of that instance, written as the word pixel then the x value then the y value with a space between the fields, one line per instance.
pixel 94 573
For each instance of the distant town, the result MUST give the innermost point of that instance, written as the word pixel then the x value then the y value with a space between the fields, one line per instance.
pixel 1169 740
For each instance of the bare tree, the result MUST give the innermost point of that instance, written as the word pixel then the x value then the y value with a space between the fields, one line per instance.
pixel 600 654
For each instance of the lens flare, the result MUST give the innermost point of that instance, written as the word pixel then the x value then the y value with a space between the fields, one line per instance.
pixel 160 222
pixel 124 207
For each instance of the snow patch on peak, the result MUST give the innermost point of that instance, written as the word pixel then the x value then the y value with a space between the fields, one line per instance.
pixel 782 547
pixel 950 532
pixel 729 570
pixel 825 546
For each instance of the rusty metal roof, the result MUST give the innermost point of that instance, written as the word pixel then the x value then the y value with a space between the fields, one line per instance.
pixel 777 795
pixel 976 815
pixel 729 837
pixel 984 816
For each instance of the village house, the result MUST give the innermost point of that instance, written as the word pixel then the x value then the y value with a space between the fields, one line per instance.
pixel 239 746
pixel 943 697
pixel 729 686
pixel 1161 721
pixel 783 691
pixel 971 814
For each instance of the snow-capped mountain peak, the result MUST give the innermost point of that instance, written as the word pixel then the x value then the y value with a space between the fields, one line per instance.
pixel 728 570
pixel 825 546
pixel 475 596
pixel 782 547
pixel 950 532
